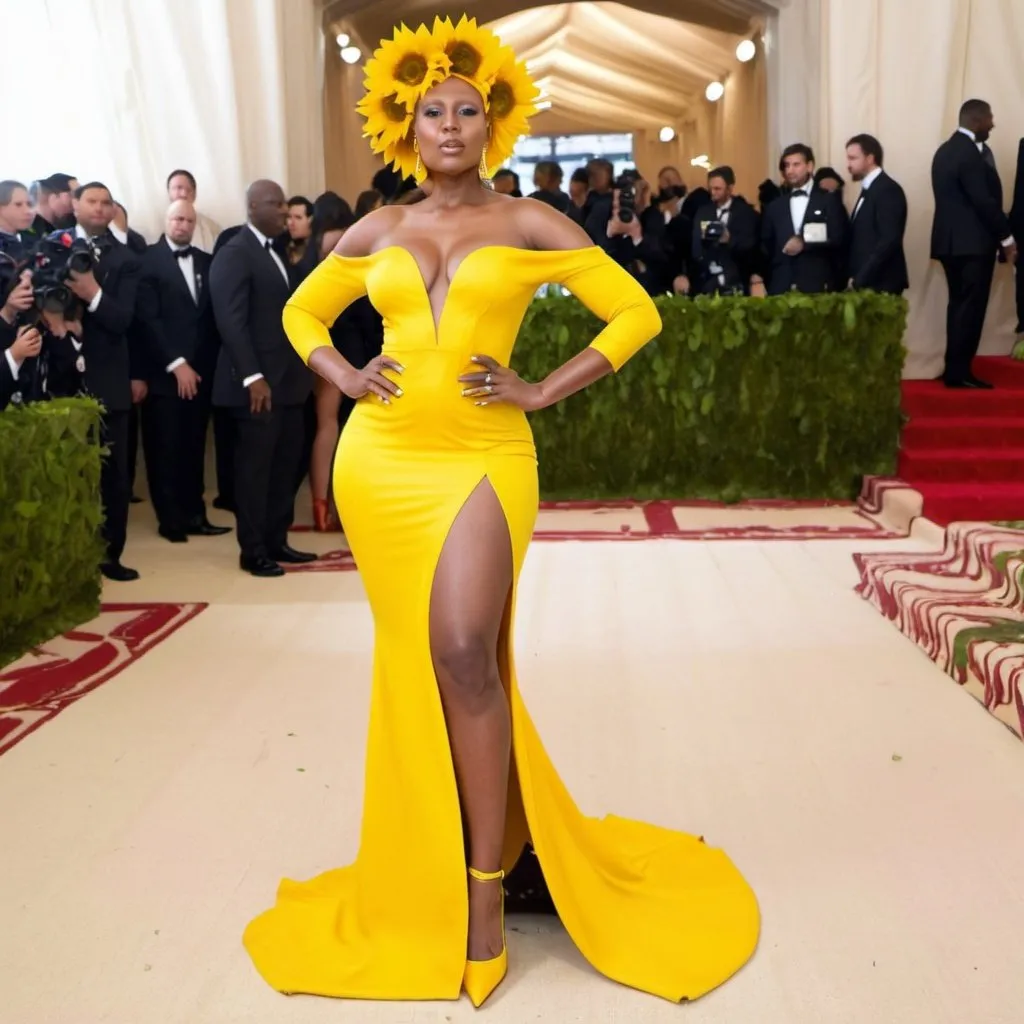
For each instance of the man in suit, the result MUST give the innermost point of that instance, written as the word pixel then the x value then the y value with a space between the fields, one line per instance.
pixel 54 200
pixel 108 293
pixel 968 230
pixel 181 184
pixel 877 261
pixel 547 180
pixel 262 380
pixel 804 230
pixel 726 238
pixel 1017 223
pixel 177 318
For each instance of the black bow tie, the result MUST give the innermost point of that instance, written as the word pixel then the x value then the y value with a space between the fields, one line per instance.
pixel 183 254
pixel 268 245
pixel 798 192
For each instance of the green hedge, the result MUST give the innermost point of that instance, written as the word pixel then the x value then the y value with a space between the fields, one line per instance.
pixel 793 396
pixel 50 516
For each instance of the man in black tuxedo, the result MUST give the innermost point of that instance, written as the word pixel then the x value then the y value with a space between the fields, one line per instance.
pixel 177 317
pixel 1017 223
pixel 726 238
pixel 969 229
pixel 877 261
pixel 108 293
pixel 804 231
pixel 262 380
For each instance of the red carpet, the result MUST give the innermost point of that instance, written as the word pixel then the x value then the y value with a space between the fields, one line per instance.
pixel 964 450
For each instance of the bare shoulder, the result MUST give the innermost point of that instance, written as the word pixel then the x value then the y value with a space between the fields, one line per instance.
pixel 360 239
pixel 545 228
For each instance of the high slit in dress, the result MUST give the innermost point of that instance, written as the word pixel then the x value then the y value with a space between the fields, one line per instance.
pixel 649 907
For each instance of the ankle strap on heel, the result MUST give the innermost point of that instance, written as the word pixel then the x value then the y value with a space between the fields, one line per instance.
pixel 484 876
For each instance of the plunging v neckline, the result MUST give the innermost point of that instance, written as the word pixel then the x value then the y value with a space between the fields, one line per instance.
pixel 425 291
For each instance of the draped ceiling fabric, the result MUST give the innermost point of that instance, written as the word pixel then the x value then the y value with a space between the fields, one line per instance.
pixel 614 67
pixel 230 89
pixel 900 70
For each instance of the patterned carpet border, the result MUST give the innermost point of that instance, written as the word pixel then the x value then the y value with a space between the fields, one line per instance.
pixel 872 514
pixel 38 686
pixel 964 607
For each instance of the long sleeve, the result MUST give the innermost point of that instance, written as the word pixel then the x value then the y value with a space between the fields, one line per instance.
pixel 230 288
pixel 892 222
pixel 335 284
pixel 614 295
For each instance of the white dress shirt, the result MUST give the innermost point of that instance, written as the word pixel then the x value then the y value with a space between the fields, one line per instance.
pixel 13 363
pixel 186 264
pixel 798 200
pixel 981 149
pixel 263 240
pixel 722 212
pixel 869 178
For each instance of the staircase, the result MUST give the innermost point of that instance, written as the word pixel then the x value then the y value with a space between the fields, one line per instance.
pixel 964 449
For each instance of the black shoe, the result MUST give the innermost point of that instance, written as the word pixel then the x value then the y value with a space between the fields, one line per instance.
pixel 118 573
pixel 261 566
pixel 224 505
pixel 204 528
pixel 290 556
pixel 977 382
pixel 174 536
pixel 136 500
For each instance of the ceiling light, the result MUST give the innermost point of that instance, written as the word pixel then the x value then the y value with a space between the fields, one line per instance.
pixel 746 51
pixel 701 161
pixel 351 54
pixel 715 91
pixel 342 39
pixel 667 134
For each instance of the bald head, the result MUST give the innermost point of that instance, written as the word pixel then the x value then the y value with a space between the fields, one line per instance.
pixel 268 208
pixel 180 223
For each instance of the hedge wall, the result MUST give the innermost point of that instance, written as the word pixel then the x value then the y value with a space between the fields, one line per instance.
pixel 793 396
pixel 50 516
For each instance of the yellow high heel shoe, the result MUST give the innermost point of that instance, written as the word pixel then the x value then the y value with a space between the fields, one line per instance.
pixel 482 977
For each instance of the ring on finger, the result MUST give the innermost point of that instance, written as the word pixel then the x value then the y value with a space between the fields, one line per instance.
pixel 489 379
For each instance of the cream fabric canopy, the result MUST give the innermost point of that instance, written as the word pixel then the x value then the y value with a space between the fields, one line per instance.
pixel 604 67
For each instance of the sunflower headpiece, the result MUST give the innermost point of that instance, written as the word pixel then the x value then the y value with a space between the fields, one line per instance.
pixel 406 67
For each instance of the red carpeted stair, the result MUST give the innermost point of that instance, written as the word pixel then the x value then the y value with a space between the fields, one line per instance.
pixel 964 450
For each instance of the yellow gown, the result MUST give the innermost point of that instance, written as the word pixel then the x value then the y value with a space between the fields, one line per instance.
pixel 652 908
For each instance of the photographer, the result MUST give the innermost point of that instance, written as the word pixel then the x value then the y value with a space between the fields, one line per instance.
pixel 726 237
pixel 632 231
pixel 108 291
pixel 54 203
pixel 27 344
pixel 15 217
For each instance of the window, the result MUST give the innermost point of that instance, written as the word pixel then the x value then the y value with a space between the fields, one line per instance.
pixel 571 151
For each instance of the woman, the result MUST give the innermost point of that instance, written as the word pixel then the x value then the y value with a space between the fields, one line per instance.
pixel 331 218
pixel 436 480
pixel 367 202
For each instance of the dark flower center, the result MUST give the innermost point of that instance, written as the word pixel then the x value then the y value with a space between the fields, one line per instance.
pixel 465 59
pixel 411 69
pixel 503 99
pixel 394 110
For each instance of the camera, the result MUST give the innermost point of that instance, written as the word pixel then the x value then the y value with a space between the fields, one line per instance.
pixel 626 185
pixel 55 258
pixel 714 231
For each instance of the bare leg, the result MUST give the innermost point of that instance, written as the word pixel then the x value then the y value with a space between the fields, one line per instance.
pixel 470 591
pixel 328 402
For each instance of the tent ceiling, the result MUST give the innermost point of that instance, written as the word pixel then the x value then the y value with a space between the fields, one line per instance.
pixel 374 19
pixel 604 66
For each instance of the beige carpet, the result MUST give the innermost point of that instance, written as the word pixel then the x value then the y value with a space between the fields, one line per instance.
pixel 735 688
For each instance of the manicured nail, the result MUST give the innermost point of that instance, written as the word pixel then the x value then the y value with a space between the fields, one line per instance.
pixel 399 392
pixel 465 392
pixel 400 368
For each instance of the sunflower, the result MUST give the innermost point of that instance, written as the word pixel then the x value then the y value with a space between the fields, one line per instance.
pixel 402 157
pixel 511 102
pixel 407 66
pixel 387 120
pixel 473 53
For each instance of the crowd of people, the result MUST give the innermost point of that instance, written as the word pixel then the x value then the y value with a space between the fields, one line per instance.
pixel 174 335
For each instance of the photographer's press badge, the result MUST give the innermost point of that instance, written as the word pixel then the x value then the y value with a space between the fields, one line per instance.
pixel 816 234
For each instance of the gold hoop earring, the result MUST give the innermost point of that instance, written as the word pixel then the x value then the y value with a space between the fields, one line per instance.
pixel 483 164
